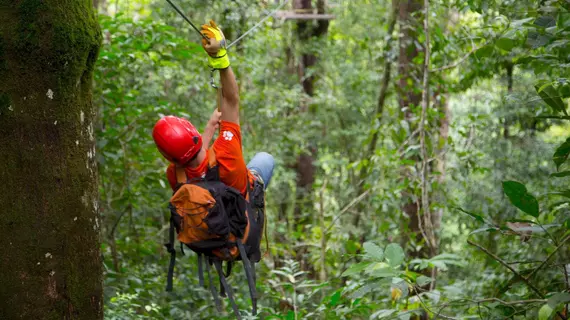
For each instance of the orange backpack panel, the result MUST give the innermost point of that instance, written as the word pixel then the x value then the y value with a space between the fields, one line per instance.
pixel 192 203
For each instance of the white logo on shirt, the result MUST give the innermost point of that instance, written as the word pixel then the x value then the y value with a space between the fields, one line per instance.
pixel 228 135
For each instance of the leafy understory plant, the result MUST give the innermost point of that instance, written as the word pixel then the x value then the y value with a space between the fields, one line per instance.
pixel 403 285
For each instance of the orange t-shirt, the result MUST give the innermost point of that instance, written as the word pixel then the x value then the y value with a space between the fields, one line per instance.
pixel 229 156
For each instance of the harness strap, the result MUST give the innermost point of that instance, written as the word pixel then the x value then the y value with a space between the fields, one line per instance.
pixel 249 275
pixel 229 266
pixel 228 289
pixel 211 286
pixel 200 271
pixel 170 247
pixel 253 271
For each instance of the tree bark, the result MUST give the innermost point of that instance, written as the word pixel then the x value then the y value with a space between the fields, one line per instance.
pixel 49 226
pixel 409 83
pixel 306 30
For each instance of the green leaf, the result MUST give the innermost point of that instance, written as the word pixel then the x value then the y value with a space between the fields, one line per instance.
pixel 484 229
pixel 544 312
pixel 545 21
pixel 394 255
pixel 380 270
pixel 373 251
pixel 476 216
pixel 505 44
pixel 560 174
pixel 484 52
pixel 356 268
pixel 550 96
pixel 520 198
pixel 423 280
pixel 561 153
pixel 384 313
pixel 362 291
pixel 335 298
pixel 521 22
pixel 537 40
pixel 557 299
pixel 564 193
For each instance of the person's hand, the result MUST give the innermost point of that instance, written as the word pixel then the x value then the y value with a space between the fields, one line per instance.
pixel 216 48
pixel 215 119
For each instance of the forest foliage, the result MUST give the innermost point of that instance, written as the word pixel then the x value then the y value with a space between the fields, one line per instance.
pixel 485 157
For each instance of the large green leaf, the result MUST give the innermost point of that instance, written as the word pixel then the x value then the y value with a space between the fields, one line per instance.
pixel 561 153
pixel 550 96
pixel 356 268
pixel 558 298
pixel 544 312
pixel 373 251
pixel 545 21
pixel 560 174
pixel 505 44
pixel 394 254
pixel 520 198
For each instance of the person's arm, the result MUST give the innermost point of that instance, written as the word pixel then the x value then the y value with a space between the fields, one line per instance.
pixel 211 127
pixel 218 59
pixel 230 96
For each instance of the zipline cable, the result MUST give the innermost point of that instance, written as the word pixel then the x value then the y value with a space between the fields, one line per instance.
pixel 187 20
pixel 271 14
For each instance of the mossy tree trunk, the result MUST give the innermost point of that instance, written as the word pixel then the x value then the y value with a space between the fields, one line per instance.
pixel 49 224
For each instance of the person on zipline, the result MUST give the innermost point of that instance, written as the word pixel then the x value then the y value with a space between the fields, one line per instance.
pixel 179 141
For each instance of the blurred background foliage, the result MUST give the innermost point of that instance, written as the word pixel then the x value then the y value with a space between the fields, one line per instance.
pixel 351 163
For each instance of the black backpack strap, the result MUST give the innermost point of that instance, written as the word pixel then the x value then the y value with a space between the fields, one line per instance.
pixel 170 247
pixel 211 285
pixel 228 272
pixel 229 265
pixel 200 271
pixel 227 288
pixel 253 271
pixel 249 275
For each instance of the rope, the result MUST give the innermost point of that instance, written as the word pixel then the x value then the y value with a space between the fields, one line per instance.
pixel 187 20
pixel 271 14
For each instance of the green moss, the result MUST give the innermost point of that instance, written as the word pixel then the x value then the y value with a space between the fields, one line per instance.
pixel 4 103
pixel 3 65
pixel 29 29
pixel 49 45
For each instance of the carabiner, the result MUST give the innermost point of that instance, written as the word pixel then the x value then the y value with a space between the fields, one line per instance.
pixel 212 79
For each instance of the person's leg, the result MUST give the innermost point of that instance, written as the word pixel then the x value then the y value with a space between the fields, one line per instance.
pixel 263 164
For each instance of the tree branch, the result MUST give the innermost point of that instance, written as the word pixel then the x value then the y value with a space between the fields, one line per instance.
pixel 501 261
pixel 458 62
pixel 548 258
pixel 348 206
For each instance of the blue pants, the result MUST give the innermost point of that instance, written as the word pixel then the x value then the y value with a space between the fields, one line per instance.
pixel 263 164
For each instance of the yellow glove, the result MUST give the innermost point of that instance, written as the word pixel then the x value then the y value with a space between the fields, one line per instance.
pixel 216 49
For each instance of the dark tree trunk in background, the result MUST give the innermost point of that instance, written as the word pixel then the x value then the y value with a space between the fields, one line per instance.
pixel 507 121
pixel 442 104
pixel 49 224
pixel 409 86
pixel 307 32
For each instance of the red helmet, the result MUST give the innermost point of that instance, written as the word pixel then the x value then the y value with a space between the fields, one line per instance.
pixel 177 139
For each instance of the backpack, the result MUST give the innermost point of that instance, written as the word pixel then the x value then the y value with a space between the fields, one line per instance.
pixel 220 225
